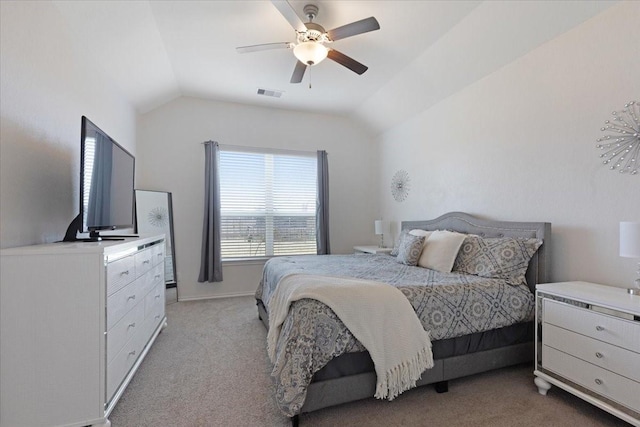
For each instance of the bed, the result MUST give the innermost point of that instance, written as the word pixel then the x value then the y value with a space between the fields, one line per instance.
pixel 320 364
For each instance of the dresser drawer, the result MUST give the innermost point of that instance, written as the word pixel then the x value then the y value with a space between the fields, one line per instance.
pixel 607 356
pixel 606 383
pixel 154 299
pixel 121 364
pixel 122 301
pixel 124 330
pixel 613 330
pixel 158 253
pixel 120 273
pixel 144 261
pixel 154 277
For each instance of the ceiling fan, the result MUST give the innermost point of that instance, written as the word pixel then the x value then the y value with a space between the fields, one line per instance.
pixel 311 38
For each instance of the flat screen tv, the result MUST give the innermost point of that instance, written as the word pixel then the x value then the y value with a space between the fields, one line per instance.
pixel 107 173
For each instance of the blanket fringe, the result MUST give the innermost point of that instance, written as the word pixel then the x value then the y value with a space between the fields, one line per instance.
pixel 403 377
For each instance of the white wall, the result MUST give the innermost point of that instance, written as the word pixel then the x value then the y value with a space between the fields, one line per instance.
pixel 520 145
pixel 46 87
pixel 171 158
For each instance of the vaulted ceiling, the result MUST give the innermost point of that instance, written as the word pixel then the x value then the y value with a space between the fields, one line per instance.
pixel 425 51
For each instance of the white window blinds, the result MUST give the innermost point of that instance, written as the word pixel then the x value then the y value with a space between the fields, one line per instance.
pixel 268 203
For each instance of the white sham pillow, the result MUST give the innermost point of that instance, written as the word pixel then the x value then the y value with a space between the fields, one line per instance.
pixel 440 250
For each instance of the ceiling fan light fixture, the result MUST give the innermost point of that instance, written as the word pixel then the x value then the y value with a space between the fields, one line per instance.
pixel 310 53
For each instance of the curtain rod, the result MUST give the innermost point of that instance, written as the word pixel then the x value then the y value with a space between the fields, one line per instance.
pixel 249 148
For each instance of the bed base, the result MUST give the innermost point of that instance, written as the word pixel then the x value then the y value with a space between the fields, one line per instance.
pixel 323 394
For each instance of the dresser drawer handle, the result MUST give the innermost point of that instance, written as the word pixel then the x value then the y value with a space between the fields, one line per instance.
pixel 157 296
pixel 146 261
pixel 157 316
pixel 131 297
pixel 132 353
pixel 132 325
pixel 599 355
pixel 599 328
pixel 598 381
pixel 160 254
pixel 157 276
pixel 125 273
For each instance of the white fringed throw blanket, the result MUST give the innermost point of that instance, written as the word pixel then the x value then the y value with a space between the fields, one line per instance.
pixel 378 315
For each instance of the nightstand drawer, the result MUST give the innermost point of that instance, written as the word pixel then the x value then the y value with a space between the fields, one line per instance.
pixel 613 330
pixel 607 356
pixel 617 388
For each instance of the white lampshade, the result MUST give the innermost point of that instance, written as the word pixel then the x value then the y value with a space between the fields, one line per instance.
pixel 630 239
pixel 310 53
pixel 381 227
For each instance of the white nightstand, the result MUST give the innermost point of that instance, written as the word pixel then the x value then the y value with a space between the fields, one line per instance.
pixel 371 250
pixel 588 343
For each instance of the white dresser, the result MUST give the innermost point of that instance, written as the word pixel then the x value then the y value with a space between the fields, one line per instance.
pixel 588 343
pixel 76 321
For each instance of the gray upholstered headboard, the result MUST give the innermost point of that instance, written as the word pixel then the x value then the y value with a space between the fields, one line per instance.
pixel 539 267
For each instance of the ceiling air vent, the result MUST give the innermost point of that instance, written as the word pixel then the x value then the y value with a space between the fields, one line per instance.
pixel 269 92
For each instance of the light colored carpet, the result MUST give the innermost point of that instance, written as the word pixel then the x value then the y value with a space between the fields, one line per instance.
pixel 209 367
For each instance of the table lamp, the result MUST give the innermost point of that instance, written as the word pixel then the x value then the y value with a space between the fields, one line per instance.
pixel 381 227
pixel 630 247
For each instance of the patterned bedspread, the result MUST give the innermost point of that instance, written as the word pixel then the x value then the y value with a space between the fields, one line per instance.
pixel 448 305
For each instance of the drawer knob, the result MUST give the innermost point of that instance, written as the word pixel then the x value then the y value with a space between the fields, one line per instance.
pixel 599 328
pixel 131 297
pixel 598 381
pixel 599 355
pixel 125 273
pixel 132 325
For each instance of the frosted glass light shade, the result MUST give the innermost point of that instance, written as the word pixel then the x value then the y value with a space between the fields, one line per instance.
pixel 378 227
pixel 630 239
pixel 310 53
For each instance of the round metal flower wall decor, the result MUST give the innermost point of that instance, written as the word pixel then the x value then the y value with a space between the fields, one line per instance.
pixel 621 145
pixel 400 185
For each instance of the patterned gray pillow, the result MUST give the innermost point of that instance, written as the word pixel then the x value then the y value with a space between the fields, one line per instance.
pixel 496 257
pixel 409 249
pixel 396 247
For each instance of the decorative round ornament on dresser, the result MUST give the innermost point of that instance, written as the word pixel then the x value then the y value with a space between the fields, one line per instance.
pixel 621 146
pixel 400 185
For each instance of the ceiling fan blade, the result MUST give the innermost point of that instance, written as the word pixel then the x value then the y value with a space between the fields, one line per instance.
pixel 290 15
pixel 346 61
pixel 298 72
pixel 265 46
pixel 355 28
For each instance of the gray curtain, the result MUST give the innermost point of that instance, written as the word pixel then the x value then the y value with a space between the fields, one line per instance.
pixel 211 258
pixel 322 205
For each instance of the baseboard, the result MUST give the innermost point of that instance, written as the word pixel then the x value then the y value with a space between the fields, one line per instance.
pixel 242 294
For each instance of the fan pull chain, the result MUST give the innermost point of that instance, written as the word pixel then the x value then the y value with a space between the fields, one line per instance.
pixel 310 67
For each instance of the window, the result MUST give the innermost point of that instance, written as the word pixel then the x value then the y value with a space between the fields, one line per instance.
pixel 268 203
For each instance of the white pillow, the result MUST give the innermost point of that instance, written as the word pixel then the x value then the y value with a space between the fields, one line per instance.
pixel 421 233
pixel 418 232
pixel 440 250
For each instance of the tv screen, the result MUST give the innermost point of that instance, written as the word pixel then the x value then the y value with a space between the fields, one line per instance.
pixel 106 182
